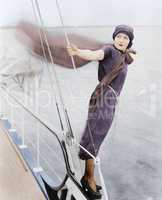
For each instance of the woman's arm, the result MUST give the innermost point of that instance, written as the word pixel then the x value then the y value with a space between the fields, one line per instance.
pixel 85 54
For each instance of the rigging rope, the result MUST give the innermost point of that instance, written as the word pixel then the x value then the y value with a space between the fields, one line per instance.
pixel 44 54
pixel 69 133
pixel 65 32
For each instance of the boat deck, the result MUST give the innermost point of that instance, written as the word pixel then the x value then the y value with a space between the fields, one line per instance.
pixel 16 182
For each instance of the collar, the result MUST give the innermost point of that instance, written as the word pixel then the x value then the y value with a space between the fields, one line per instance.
pixel 119 50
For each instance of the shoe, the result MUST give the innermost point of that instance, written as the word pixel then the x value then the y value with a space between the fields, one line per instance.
pixel 90 192
pixel 98 187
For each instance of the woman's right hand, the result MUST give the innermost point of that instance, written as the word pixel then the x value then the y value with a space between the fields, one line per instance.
pixel 72 50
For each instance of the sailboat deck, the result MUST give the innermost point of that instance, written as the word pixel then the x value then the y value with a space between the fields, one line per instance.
pixel 16 182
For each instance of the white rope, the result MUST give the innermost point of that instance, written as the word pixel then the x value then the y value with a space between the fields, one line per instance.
pixel 52 61
pixel 44 54
pixel 65 32
pixel 116 114
pixel 98 164
pixel 115 93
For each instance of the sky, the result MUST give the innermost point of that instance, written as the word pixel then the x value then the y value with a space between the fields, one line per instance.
pixel 85 12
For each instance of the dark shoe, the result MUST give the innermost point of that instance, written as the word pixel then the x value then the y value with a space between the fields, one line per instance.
pixel 90 192
pixel 98 187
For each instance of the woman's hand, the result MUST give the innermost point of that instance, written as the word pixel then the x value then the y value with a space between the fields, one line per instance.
pixel 72 50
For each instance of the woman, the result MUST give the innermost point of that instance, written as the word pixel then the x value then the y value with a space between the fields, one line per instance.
pixel 113 60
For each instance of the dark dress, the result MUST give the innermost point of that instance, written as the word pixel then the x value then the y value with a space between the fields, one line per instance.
pixel 100 120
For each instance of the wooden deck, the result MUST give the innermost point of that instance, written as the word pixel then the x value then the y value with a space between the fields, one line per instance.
pixel 16 183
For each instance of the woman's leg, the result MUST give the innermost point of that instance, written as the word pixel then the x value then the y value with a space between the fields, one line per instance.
pixel 89 173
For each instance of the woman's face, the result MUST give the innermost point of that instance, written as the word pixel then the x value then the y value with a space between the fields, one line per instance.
pixel 121 41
